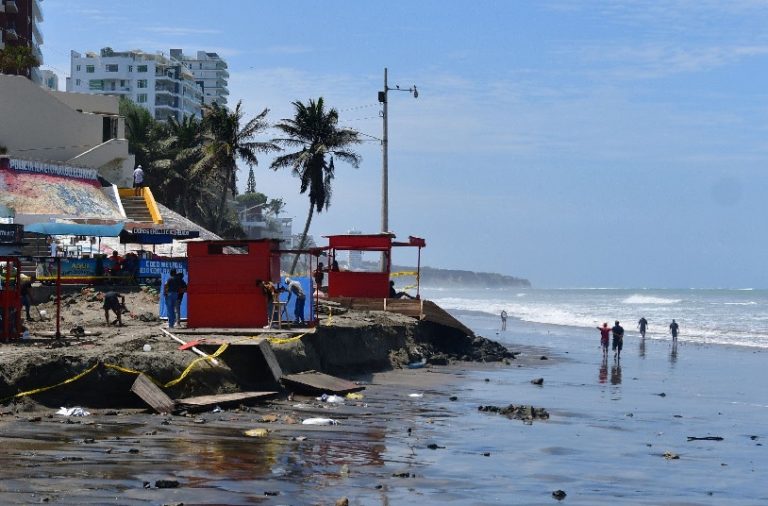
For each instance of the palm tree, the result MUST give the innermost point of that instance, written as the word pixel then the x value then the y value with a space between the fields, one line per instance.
pixel 226 142
pixel 182 184
pixel 316 132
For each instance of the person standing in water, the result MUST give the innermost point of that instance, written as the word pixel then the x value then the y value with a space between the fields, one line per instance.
pixel 503 320
pixel 618 340
pixel 605 334
pixel 673 329
pixel 642 325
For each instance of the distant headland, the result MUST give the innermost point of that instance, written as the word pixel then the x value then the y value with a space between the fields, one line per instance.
pixel 431 276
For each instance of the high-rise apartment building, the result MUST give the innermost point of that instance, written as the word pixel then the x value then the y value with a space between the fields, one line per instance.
pixel 164 86
pixel 210 72
pixel 19 21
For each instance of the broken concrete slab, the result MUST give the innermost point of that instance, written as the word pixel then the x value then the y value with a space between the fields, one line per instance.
pixel 317 382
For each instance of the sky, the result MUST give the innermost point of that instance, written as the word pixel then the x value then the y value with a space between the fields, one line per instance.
pixel 575 143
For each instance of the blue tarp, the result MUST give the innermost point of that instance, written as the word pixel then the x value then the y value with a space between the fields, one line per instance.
pixel 75 229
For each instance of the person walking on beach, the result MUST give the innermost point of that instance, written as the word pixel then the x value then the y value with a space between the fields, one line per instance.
pixel 503 320
pixel 642 325
pixel 26 295
pixel 294 288
pixel 618 340
pixel 674 328
pixel 605 334
pixel 171 293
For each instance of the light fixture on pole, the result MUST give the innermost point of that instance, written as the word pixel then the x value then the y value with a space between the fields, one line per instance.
pixel 385 149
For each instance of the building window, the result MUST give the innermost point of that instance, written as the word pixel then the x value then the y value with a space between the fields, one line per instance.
pixel 130 68
pixel 141 68
pixel 78 68
pixel 89 69
pixel 141 83
pixel 141 98
pixel 77 82
pixel 112 68
pixel 95 84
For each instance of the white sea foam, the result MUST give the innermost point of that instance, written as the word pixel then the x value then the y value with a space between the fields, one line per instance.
pixel 648 299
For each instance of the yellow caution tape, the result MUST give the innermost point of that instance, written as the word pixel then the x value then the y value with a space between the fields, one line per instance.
pixel 403 273
pixel 283 340
pixel 43 389
pixel 171 383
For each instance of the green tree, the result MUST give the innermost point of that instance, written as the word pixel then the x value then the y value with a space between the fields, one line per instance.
pixel 226 141
pixel 18 60
pixel 316 136
pixel 250 187
pixel 144 134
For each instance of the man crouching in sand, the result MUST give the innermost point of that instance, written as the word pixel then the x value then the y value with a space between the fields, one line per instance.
pixel 111 302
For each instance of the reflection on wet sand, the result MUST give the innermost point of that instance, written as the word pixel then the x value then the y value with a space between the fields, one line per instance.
pixel 673 353
pixel 602 376
pixel 616 374
pixel 642 347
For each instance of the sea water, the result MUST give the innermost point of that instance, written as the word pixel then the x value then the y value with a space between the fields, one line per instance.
pixel 711 316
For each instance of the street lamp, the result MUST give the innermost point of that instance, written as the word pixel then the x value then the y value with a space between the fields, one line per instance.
pixel 385 147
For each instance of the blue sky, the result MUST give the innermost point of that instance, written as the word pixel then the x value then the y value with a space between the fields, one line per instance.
pixel 575 143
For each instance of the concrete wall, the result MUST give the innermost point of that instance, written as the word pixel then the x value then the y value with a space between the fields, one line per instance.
pixel 38 124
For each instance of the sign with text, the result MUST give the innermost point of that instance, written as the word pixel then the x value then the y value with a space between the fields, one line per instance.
pixel 156 268
pixel 52 169
pixel 11 233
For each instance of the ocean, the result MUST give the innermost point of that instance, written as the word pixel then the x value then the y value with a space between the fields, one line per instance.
pixel 705 316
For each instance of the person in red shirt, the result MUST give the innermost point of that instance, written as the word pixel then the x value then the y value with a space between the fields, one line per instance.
pixel 605 334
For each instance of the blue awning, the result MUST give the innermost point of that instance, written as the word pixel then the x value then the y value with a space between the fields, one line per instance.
pixel 75 229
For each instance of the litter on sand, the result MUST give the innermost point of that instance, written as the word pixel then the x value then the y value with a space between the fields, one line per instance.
pixel 416 396
pixel 72 412
pixel 354 396
pixel 319 421
pixel 256 432
pixel 418 365
pixel 333 399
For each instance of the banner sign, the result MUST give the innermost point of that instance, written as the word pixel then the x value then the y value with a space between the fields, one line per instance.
pixel 11 234
pixel 53 169
pixel 155 235
pixel 156 268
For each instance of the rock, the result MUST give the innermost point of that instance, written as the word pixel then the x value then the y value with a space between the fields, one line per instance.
pixel 401 475
pixel 526 413
pixel 433 446
pixel 538 381
pixel 166 484
pixel 671 456
pixel 342 502
pixel 543 357
pixel 453 398
pixel 662 394
pixel 272 493
pixel 559 494
pixel 486 454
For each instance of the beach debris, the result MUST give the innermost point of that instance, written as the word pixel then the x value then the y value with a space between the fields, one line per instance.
pixel 332 399
pixel 671 456
pixel 152 395
pixel 217 409
pixel 147 347
pixel 418 365
pixel 538 381
pixel 320 421
pixel 166 484
pixel 486 454
pixel 526 413
pixel 344 470
pixel 404 474
pixel 662 394
pixel 453 398
pixel 559 494
pixel 72 412
pixel 705 438
pixel 317 383
pixel 416 396
pixel 342 502
pixel 256 432
pixel 272 493
pixel 433 446
pixel 544 357
pixel 299 438
pixel 354 396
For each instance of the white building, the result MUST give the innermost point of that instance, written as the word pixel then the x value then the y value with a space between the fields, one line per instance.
pixel 50 80
pixel 164 86
pixel 210 72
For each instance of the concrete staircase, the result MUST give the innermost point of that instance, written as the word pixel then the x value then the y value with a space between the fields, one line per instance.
pixel 136 209
pixel 35 245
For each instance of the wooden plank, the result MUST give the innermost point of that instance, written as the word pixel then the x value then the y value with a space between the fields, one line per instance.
pixel 317 382
pixel 271 360
pixel 204 402
pixel 435 314
pixel 152 395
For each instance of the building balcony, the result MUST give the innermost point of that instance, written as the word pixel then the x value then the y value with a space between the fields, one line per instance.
pixel 37 12
pixel 37 34
pixel 11 7
pixel 10 34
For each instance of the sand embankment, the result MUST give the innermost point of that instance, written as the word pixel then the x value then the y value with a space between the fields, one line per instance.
pixel 97 369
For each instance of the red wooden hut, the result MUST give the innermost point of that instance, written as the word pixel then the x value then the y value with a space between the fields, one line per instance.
pixel 224 276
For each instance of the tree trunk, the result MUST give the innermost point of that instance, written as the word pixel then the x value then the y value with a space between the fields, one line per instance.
pixel 223 201
pixel 303 237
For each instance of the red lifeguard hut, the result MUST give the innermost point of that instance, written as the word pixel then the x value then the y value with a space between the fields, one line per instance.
pixel 10 298
pixel 224 289
pixel 367 284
